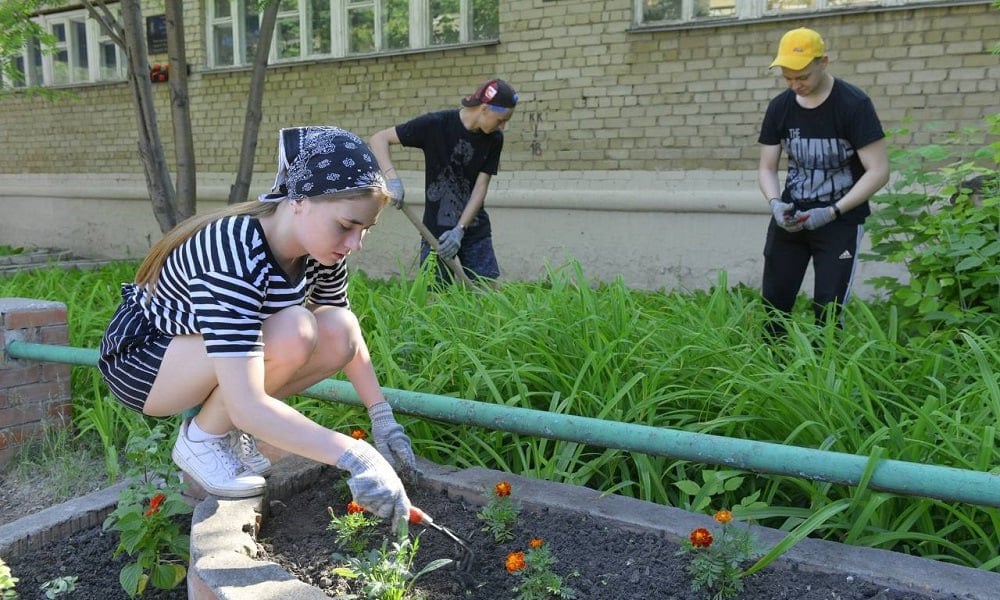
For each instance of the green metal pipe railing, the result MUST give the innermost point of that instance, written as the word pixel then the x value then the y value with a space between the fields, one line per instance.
pixel 900 477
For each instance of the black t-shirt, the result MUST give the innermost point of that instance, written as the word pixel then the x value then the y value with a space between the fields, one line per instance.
pixel 822 145
pixel 453 159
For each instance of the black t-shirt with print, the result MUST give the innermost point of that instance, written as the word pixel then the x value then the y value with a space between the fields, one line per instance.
pixel 453 159
pixel 822 145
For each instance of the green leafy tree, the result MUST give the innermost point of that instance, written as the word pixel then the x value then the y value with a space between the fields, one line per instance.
pixel 941 219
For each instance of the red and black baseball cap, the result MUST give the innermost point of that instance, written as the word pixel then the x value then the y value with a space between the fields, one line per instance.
pixel 495 92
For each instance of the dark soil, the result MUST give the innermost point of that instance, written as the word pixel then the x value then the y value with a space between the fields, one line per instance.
pixel 88 556
pixel 600 562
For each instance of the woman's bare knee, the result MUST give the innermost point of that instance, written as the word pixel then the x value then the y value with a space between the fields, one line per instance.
pixel 290 337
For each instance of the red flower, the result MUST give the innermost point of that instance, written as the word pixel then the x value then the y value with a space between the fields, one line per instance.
pixel 723 516
pixel 154 504
pixel 354 507
pixel 514 562
pixel 359 434
pixel 502 489
pixel 701 538
pixel 536 543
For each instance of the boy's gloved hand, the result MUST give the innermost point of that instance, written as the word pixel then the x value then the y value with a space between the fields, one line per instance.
pixel 396 192
pixel 391 442
pixel 814 218
pixel 782 212
pixel 374 485
pixel 450 241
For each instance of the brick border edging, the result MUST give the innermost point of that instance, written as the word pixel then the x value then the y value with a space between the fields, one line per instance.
pixel 58 522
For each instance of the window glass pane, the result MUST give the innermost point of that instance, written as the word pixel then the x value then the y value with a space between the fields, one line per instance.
pixel 788 5
pixel 287 38
pixel 19 79
pixel 80 62
pixel 59 30
pixel 715 8
pixel 661 10
pixel 222 9
pixel 223 35
pixel 252 31
pixel 320 27
pixel 485 19
pixel 446 21
pixel 109 60
pixel 395 24
pixel 361 23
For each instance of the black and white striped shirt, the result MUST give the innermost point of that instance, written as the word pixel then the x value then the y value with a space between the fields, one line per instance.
pixel 224 281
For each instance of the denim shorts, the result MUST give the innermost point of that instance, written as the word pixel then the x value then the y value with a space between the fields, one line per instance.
pixel 477 257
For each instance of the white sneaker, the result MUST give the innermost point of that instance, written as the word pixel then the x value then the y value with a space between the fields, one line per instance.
pixel 245 448
pixel 214 466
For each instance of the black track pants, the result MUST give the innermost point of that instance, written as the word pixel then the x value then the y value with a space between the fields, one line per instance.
pixel 833 250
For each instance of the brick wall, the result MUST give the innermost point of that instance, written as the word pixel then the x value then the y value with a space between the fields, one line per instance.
pixel 597 93
pixel 33 395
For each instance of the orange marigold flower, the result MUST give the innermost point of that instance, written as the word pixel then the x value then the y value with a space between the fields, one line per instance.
pixel 536 543
pixel 701 538
pixel 502 489
pixel 154 504
pixel 514 562
pixel 359 434
pixel 723 516
pixel 354 507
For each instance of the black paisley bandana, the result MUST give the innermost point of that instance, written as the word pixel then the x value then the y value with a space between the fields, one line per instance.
pixel 318 160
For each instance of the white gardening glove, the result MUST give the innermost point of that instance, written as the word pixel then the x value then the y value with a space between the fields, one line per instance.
pixel 374 485
pixel 450 241
pixel 782 212
pixel 390 440
pixel 815 218
pixel 396 193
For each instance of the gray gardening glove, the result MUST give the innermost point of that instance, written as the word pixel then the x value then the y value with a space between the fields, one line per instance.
pixel 374 485
pixel 392 443
pixel 782 212
pixel 396 192
pixel 450 241
pixel 815 218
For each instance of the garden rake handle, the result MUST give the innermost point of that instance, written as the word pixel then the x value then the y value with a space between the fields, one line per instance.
pixel 419 517
pixel 453 264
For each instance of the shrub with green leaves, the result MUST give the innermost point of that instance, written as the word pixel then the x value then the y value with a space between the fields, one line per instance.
pixel 941 219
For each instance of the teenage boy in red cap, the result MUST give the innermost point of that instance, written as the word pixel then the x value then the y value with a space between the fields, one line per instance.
pixel 461 154
pixel 837 160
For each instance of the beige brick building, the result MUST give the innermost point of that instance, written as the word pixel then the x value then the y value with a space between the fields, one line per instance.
pixel 633 149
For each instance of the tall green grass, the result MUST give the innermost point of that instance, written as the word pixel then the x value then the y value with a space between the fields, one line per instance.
pixel 694 361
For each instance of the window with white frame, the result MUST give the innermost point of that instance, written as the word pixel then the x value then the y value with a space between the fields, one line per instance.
pixel 81 53
pixel 309 29
pixel 689 11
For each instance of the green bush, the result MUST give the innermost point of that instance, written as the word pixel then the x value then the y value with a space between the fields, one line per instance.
pixel 941 219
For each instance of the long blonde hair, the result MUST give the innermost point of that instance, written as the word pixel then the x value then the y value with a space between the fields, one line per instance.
pixel 148 274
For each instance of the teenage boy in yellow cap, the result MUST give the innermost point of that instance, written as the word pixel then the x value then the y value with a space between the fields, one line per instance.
pixel 461 154
pixel 837 160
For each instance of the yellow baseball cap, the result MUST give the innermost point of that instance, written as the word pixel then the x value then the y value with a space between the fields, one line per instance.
pixel 798 48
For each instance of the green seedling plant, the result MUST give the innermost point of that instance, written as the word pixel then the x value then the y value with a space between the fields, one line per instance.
pixel 386 573
pixel 354 530
pixel 7 582
pixel 717 561
pixel 147 518
pixel 537 580
pixel 500 513
pixel 60 586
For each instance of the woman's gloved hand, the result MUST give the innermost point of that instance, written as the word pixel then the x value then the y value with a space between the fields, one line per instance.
pixel 373 483
pixel 390 440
